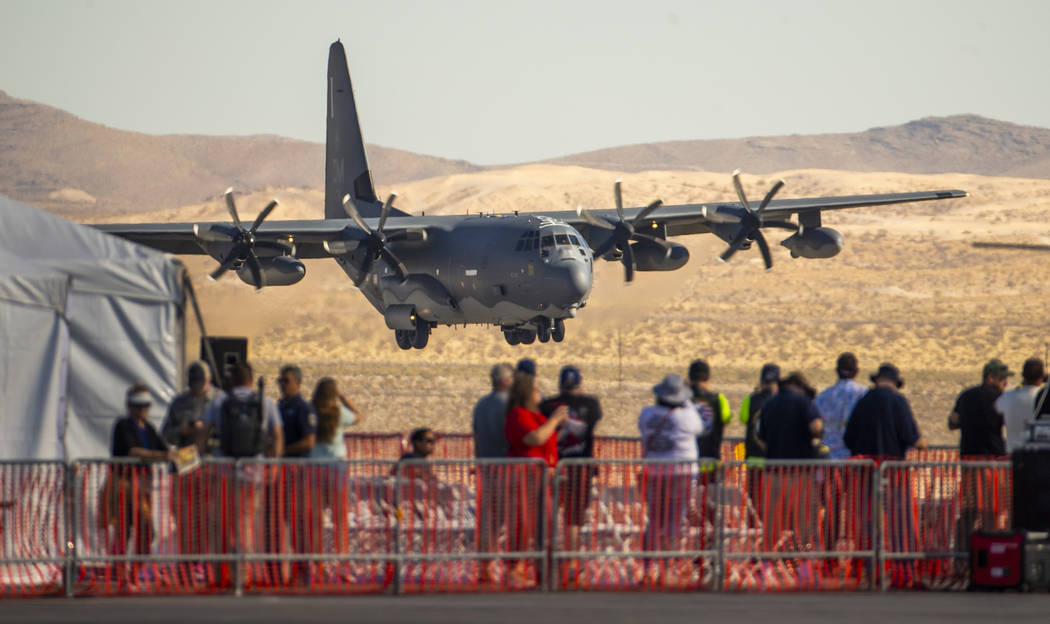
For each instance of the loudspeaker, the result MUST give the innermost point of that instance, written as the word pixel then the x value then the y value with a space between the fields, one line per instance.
pixel 228 352
pixel 1031 468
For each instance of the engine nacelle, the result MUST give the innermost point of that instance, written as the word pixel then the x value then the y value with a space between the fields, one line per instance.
pixel 818 242
pixel 276 271
pixel 650 257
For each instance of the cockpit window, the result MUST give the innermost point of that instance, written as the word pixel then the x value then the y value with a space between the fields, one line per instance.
pixel 575 241
pixel 548 241
pixel 563 239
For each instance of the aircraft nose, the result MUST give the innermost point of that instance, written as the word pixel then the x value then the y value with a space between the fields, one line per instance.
pixel 578 284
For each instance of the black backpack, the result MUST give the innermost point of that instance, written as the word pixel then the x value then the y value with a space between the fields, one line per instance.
pixel 241 428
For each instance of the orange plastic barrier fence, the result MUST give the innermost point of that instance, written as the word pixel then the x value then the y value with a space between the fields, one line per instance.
pixel 374 446
pixel 33 528
pixel 929 511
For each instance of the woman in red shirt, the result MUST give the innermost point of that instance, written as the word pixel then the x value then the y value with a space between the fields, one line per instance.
pixel 529 434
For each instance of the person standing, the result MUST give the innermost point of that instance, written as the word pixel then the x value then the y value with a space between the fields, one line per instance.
pixel 768 379
pixel 1018 405
pixel 836 403
pixel 489 424
pixel 881 424
pixel 669 430
pixel 975 416
pixel 789 423
pixel 129 487
pixel 575 441
pixel 713 408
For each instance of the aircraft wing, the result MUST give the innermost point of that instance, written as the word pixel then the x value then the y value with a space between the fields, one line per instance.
pixel 709 217
pixel 308 236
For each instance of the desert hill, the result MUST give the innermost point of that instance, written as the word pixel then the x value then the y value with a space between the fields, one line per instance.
pixel 55 160
pixel 908 288
pixel 960 143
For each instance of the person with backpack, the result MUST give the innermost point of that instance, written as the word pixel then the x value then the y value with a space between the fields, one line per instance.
pixel 247 426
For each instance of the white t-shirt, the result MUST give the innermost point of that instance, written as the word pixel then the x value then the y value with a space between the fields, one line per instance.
pixel 1017 407
pixel 336 448
pixel 670 433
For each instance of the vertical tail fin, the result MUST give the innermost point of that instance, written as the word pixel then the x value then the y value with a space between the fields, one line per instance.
pixel 346 167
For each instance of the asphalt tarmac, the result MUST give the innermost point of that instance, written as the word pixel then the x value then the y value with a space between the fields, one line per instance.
pixel 540 608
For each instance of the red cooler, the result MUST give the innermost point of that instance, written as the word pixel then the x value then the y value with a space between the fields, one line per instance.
pixel 996 559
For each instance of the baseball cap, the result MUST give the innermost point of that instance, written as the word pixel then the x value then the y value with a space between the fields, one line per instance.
pixel 527 365
pixel 996 368
pixel 569 378
pixel 770 373
pixel 195 373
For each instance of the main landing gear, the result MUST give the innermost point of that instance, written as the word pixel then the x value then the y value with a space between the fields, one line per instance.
pixel 413 338
pixel 541 327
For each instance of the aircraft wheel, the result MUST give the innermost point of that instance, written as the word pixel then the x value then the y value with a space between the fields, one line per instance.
pixel 527 336
pixel 543 331
pixel 558 331
pixel 512 337
pixel 403 338
pixel 421 336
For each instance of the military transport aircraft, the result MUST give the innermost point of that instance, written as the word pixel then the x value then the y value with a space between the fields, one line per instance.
pixel 525 272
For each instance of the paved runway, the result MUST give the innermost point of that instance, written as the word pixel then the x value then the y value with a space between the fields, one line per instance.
pixel 531 608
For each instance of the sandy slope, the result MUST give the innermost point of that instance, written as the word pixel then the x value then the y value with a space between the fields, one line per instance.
pixel 908 288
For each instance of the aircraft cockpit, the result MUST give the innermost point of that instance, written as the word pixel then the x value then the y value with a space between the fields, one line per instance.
pixel 548 239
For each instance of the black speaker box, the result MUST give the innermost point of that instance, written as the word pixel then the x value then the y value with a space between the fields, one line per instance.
pixel 228 352
pixel 1031 470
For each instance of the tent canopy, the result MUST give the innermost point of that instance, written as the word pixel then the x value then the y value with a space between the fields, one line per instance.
pixel 83 315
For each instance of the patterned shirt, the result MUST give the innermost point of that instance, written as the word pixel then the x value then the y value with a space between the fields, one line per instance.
pixel 835 405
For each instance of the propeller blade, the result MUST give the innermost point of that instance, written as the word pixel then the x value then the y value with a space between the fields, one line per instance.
pixel 619 199
pixel 1024 246
pixel 764 248
pixel 628 263
pixel 262 215
pixel 769 196
pixel 351 211
pixel 740 190
pixel 216 233
pixel 648 210
pixel 232 208
pixel 385 211
pixel 734 245
pixel 399 267
pixel 235 255
pixel 655 240
pixel 594 220
pixel 256 270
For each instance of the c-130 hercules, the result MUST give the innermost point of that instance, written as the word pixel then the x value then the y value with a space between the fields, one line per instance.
pixel 526 273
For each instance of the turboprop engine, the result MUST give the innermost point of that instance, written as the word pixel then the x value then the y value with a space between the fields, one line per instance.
pixel 276 271
pixel 651 257
pixel 818 242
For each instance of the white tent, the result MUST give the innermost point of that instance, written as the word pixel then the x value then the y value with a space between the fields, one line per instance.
pixel 83 315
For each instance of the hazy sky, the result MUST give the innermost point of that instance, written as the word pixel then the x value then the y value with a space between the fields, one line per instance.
pixel 502 81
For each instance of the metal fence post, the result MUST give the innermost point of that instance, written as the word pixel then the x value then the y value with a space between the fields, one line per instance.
pixel 398 549
pixel 721 501
pixel 238 563
pixel 878 578
pixel 70 527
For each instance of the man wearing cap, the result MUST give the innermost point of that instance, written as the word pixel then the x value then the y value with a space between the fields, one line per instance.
pixel 575 441
pixel 1018 405
pixel 882 424
pixel 836 403
pixel 128 490
pixel 767 387
pixel 713 408
pixel 974 414
pixel 186 413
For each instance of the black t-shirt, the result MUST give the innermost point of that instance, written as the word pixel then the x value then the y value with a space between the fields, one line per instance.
pixel 980 423
pixel 881 425
pixel 127 435
pixel 754 403
pixel 783 424
pixel 709 443
pixel 575 435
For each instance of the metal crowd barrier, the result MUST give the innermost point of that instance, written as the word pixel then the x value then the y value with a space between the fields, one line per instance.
pixel 120 527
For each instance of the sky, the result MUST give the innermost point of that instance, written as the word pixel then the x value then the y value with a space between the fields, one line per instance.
pixel 501 81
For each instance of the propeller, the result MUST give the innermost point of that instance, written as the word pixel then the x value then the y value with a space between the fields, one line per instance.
pixel 243 239
pixel 376 241
pixel 623 232
pixel 751 222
